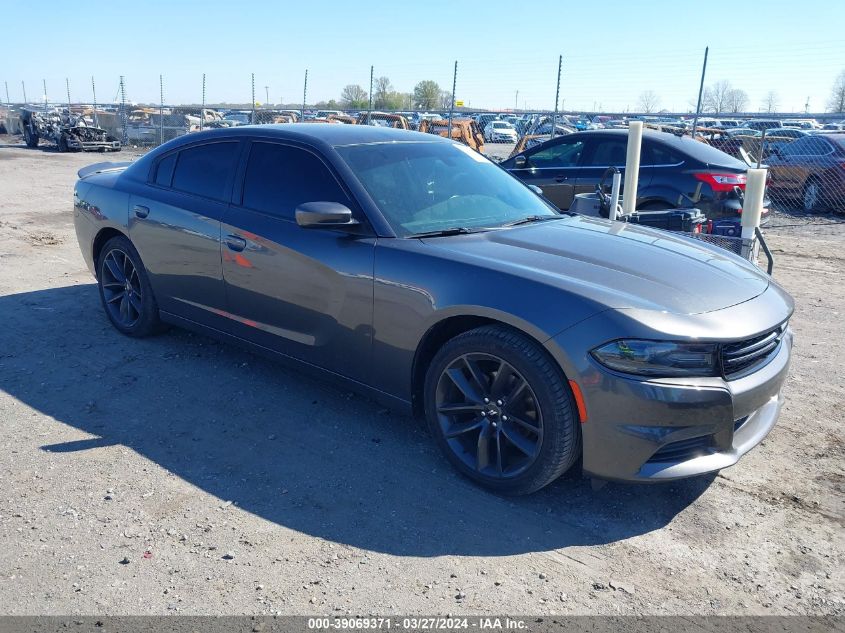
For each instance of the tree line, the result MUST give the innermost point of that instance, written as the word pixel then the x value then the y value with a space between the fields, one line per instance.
pixel 427 95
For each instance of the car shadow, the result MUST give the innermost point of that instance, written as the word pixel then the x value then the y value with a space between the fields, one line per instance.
pixel 289 449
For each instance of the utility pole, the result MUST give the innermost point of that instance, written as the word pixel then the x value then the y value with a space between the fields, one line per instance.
pixel 370 107
pixel 266 95
pixel 23 87
pixel 253 99
pixel 7 93
pixel 516 101
pixel 700 92
pixel 557 94
pixel 94 92
pixel 67 85
pixel 161 110
pixel 202 118
pixel 452 104
pixel 304 93
pixel 45 95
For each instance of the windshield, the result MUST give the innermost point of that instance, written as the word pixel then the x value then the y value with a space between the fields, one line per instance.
pixel 423 187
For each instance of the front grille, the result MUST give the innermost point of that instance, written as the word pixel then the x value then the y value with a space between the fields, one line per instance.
pixel 683 450
pixel 744 355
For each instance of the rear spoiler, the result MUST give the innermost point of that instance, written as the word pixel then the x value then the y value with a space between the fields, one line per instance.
pixel 98 168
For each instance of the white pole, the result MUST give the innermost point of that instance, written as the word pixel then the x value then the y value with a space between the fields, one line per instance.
pixel 752 209
pixel 614 195
pixel 632 167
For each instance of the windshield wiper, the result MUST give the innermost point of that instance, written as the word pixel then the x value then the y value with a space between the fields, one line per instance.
pixel 455 230
pixel 532 218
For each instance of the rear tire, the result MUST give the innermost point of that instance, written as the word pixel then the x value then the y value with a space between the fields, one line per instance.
pixel 61 144
pixel 125 290
pixel 526 434
pixel 812 200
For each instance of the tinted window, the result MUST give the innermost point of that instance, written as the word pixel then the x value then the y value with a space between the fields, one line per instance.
pixel 164 170
pixel 279 178
pixel 565 154
pixel 204 170
pixel 809 146
pixel 654 154
pixel 608 152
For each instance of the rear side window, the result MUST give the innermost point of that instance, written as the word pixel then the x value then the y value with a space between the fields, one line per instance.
pixel 608 152
pixel 164 170
pixel 204 170
pixel 279 178
pixel 655 154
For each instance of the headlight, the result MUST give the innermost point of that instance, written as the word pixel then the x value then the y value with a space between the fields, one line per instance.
pixel 658 358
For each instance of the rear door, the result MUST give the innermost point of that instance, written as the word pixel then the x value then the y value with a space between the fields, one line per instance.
pixel 174 222
pixel 554 167
pixel 307 293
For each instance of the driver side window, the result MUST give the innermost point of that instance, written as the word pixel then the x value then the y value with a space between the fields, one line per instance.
pixel 564 154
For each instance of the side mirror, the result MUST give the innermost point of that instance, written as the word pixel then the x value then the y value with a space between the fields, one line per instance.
pixel 536 189
pixel 520 162
pixel 324 214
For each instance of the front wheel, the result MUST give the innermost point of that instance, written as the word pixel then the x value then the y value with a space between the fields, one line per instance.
pixel 813 197
pixel 125 289
pixel 29 137
pixel 501 410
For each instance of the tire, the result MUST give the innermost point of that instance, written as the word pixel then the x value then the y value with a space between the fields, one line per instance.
pixel 491 442
pixel 61 144
pixel 29 137
pixel 136 315
pixel 813 197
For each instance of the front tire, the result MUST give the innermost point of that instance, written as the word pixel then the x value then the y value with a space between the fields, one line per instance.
pixel 125 290
pixel 813 197
pixel 29 137
pixel 501 410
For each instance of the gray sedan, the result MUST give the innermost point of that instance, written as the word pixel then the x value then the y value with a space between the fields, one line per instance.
pixel 414 270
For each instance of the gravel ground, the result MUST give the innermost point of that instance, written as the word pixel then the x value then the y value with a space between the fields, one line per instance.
pixel 176 474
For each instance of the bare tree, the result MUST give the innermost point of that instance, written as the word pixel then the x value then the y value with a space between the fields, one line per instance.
pixel 427 95
pixel 736 100
pixel 715 98
pixel 648 101
pixel 381 93
pixel 354 96
pixel 836 102
pixel 445 100
pixel 771 101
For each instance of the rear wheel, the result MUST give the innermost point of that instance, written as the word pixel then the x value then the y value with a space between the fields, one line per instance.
pixel 125 289
pixel 61 144
pixel 501 410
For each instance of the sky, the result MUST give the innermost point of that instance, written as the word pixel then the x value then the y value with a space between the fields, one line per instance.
pixel 507 52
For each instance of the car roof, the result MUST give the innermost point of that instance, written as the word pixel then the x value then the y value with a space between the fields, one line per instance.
pixel 332 134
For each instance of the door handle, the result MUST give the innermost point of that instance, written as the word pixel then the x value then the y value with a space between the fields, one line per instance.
pixel 141 211
pixel 235 243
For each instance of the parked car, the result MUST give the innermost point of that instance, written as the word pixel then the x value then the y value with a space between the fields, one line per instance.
pixel 778 137
pixel 763 124
pixel 802 124
pixel 413 269
pixel 500 132
pixel 810 170
pixel 672 170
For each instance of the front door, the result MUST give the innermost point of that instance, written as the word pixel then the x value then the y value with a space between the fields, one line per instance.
pixel 307 293
pixel 554 167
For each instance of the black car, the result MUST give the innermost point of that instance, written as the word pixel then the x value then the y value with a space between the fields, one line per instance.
pixel 674 172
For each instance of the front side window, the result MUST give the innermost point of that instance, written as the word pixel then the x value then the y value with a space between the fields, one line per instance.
pixel 606 153
pixel 422 187
pixel 204 170
pixel 279 178
pixel 565 154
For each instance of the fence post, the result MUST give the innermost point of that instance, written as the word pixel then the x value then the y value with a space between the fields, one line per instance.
pixel 202 109
pixel 67 85
pixel 7 93
pixel 161 109
pixel 123 116
pixel 452 104
pixel 23 87
pixel 700 92
pixel 94 92
pixel 370 107
pixel 557 94
pixel 253 99
pixel 752 210
pixel 45 95
pixel 304 94
pixel 632 167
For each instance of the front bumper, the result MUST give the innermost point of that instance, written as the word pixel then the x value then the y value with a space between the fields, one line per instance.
pixel 647 430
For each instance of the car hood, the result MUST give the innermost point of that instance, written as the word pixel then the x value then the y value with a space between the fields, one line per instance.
pixel 616 264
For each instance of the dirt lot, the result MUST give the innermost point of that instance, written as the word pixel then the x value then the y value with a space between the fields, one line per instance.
pixel 176 474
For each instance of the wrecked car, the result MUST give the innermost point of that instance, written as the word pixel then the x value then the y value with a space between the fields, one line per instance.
pixel 67 130
pixel 465 131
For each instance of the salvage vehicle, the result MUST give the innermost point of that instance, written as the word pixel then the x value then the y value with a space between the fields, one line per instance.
pixel 384 119
pixel 500 132
pixel 810 170
pixel 415 270
pixel 674 172
pixel 464 131
pixel 67 130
